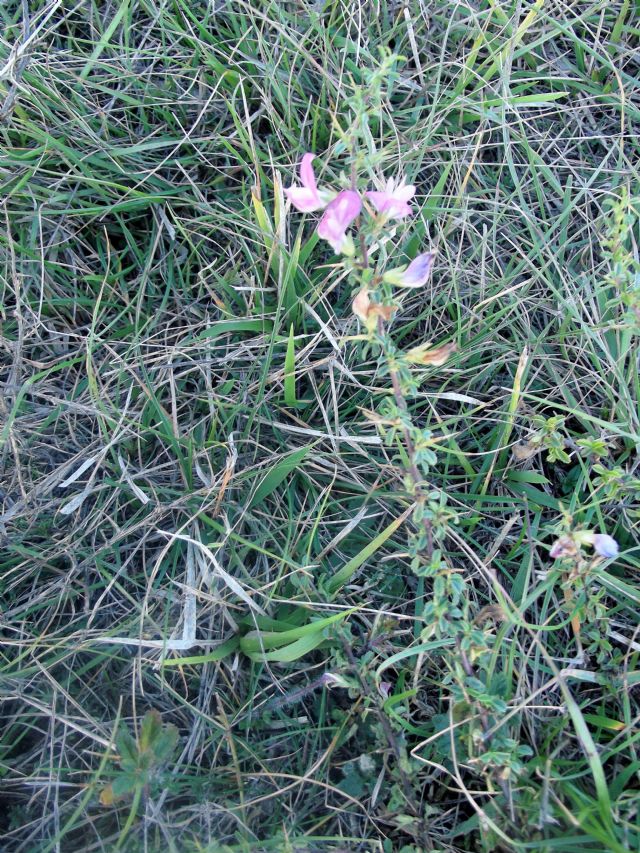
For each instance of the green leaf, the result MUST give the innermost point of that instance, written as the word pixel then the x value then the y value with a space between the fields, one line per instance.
pixel 259 641
pixel 527 477
pixel 277 475
pixel 292 651
pixel 127 749
pixel 165 743
pixel 290 371
pixel 535 496
pixel 222 651
pixel 150 729
pixel 348 570
pixel 123 784
pixel 353 784
pixel 224 327
pixel 436 196
pixel 105 39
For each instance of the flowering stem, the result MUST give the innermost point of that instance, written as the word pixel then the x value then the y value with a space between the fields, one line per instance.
pixel 418 481
pixel 412 469
pixel 401 403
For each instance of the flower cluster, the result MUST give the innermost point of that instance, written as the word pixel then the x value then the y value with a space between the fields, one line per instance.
pixel 341 210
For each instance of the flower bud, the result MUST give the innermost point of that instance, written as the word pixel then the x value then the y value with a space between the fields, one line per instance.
pixel 368 312
pixel 415 275
pixel 605 545
pixel 429 355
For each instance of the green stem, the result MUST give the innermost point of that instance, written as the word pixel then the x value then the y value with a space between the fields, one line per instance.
pixel 412 470
pixel 137 796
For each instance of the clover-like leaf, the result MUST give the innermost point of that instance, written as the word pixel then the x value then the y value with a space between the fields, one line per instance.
pixel 150 729
pixel 128 750
pixel 165 743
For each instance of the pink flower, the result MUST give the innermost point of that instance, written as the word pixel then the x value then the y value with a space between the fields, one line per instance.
pixel 415 275
pixel 338 216
pixel 603 544
pixel 306 198
pixel 392 202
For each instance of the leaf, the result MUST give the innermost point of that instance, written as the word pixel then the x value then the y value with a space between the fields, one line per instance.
pixel 259 641
pixel 225 327
pixel 127 749
pixel 292 651
pixel 290 371
pixel 605 722
pixel 344 574
pixel 75 502
pixel 124 784
pixel 78 472
pixel 524 450
pixel 263 217
pixel 105 39
pixel 353 784
pixel 437 194
pixel 277 475
pixel 150 729
pixel 107 797
pixel 222 651
pixel 165 743
pixel 535 496
pixel 527 477
pixel 412 651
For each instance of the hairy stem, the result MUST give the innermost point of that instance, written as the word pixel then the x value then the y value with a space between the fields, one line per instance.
pixel 412 470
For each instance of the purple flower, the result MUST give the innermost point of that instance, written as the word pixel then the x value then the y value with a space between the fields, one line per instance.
pixel 338 216
pixel 605 545
pixel 384 689
pixel 392 202
pixel 306 198
pixel 415 275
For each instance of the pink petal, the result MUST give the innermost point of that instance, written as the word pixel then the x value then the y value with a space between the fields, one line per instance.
pixel 338 216
pixel 398 209
pixel 405 192
pixel 304 199
pixel 379 200
pixel 347 206
pixel 392 204
pixel 307 176
pixel 605 545
pixel 384 688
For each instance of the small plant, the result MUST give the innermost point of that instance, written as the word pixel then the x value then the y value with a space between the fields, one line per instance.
pixel 141 761
pixel 547 436
pixel 624 268
pixel 361 220
pixel 619 487
pixel 583 600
